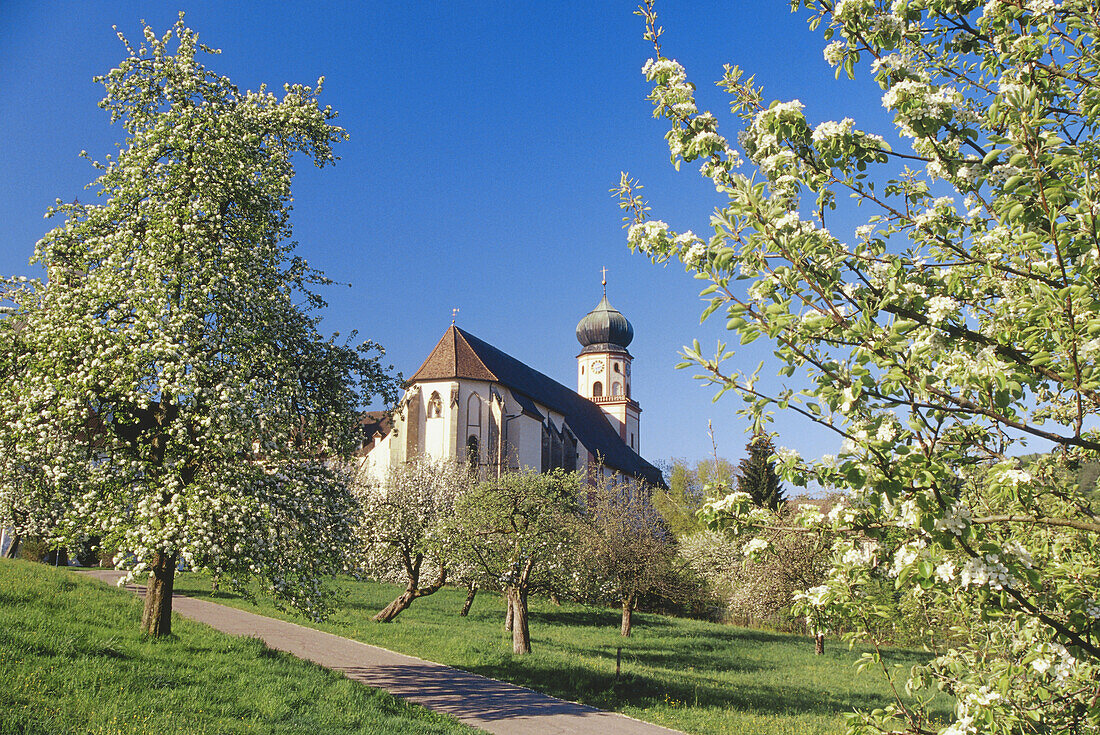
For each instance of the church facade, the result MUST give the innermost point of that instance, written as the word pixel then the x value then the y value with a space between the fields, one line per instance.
pixel 473 403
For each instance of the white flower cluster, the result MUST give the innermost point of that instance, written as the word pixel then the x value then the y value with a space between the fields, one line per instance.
pixel 735 502
pixel 1041 7
pixel 788 455
pixel 1001 173
pixel 915 100
pixel 693 251
pixel 808 515
pixel 764 288
pixel 1012 476
pixel 672 95
pixel 1016 549
pixel 955 520
pixel 987 570
pixel 990 10
pixel 846 10
pixel 865 555
pixel 755 547
pixel 968 706
pixel 834 52
pixel 940 307
pixel 842 514
pixel 816 596
pixel 906 555
pixel 829 130
pixel 648 236
pixel 945 571
pixel 1054 656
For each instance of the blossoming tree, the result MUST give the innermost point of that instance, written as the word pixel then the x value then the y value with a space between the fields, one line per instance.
pixel 172 385
pixel 623 542
pixel 513 530
pixel 403 535
pixel 959 320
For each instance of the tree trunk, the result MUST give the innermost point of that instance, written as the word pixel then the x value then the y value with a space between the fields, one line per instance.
pixel 57 557
pixel 412 591
pixel 521 634
pixel 471 590
pixel 819 644
pixel 13 548
pixel 509 610
pixel 628 615
pixel 156 620
pixel 393 609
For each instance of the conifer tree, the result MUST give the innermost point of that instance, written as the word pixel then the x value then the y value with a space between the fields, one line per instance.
pixel 757 475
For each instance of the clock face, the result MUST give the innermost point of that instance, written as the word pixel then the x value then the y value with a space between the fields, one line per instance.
pixel 627 368
pixel 597 368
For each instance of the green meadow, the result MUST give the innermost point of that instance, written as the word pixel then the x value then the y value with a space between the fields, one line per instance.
pixel 72 660
pixel 694 676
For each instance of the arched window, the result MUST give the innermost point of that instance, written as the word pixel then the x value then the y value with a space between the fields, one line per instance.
pixel 615 367
pixel 582 369
pixel 473 410
pixel 473 453
pixel 616 388
pixel 597 389
pixel 435 406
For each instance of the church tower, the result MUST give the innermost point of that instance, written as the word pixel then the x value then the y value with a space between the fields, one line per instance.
pixel 603 368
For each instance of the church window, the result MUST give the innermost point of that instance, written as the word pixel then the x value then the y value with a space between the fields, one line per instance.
pixel 582 369
pixel 473 452
pixel 616 367
pixel 435 406
pixel 616 388
pixel 597 388
pixel 473 411
pixel 632 440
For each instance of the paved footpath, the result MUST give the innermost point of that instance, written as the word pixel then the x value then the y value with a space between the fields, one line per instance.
pixel 485 703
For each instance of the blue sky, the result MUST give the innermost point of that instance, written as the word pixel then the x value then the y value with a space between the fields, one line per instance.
pixel 484 139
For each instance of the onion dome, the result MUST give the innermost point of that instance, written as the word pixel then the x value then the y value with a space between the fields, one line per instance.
pixel 604 328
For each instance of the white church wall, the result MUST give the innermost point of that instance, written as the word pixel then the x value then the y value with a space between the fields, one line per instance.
pixel 525 440
pixel 436 413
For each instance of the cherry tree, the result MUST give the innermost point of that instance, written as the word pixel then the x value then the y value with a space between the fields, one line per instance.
pixel 172 386
pixel 956 322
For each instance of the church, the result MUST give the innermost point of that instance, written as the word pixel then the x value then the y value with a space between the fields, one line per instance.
pixel 473 403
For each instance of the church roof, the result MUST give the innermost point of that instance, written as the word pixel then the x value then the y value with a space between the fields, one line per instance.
pixel 454 357
pixel 460 354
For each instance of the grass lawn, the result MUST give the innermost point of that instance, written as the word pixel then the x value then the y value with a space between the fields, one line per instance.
pixel 693 676
pixel 72 660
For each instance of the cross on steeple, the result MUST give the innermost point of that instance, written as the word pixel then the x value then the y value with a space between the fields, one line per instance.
pixel 454 315
pixel 604 281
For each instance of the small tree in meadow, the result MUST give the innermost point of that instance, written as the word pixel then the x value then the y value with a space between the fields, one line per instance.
pixel 623 541
pixel 402 533
pixel 512 529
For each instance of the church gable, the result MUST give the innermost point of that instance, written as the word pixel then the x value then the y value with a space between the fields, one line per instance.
pixel 453 357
